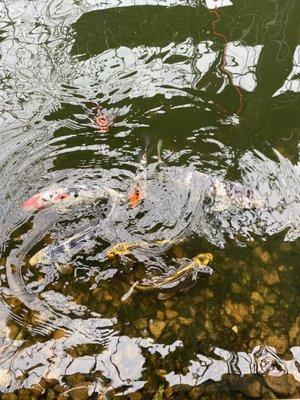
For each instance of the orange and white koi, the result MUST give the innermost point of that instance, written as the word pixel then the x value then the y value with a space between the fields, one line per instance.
pixel 67 196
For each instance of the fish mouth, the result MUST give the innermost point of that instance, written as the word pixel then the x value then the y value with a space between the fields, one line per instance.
pixel 41 200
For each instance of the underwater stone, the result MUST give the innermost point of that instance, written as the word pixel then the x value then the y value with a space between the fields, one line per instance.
pixel 257 298
pixel 195 393
pixel 156 327
pixel 141 323
pixel 132 396
pixel 185 321
pixel 267 312
pixel 236 288
pixel 168 303
pixel 271 278
pixel 209 294
pixel 265 257
pixel 209 326
pixel 252 387
pixel 294 333
pixel 280 342
pixel 51 395
pixel 107 296
pixel 171 314
pixel 14 331
pixel 59 333
pixel 236 310
pixel 270 296
pixel 160 315
pixel 284 385
pixel 9 396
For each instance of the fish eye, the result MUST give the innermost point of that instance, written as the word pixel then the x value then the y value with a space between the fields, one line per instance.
pixel 74 192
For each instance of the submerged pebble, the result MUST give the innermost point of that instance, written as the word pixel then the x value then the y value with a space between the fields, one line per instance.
pixel 156 327
pixel 271 278
pixel 236 310
pixel 280 342
pixel 284 385
pixel 171 314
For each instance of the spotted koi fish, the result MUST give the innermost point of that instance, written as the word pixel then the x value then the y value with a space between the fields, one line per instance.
pixel 67 196
pixel 188 270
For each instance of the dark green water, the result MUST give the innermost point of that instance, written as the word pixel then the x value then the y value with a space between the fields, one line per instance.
pixel 219 87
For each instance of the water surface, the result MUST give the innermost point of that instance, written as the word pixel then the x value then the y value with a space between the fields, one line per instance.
pixel 218 83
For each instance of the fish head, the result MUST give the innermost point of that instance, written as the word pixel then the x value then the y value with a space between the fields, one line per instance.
pixel 203 259
pixel 49 197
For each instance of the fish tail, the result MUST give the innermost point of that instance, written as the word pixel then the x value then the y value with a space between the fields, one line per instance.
pixel 159 147
pixel 159 151
pixel 143 157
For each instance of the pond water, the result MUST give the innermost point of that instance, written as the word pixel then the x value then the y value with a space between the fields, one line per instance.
pixel 114 96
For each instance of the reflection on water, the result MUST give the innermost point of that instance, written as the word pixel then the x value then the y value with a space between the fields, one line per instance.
pixel 219 82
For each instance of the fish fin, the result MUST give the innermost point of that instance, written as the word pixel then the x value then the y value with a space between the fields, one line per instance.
pixel 167 294
pixel 143 158
pixel 206 270
pixel 161 163
pixel 129 292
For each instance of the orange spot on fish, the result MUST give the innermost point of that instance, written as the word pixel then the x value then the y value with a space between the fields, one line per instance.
pixel 34 203
pixel 135 196
pixel 102 120
pixel 60 196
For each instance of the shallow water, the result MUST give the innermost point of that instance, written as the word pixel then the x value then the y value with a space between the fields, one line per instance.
pixel 218 83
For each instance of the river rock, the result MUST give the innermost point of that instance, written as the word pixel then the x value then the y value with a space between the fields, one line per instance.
pixel 107 296
pixel 257 298
pixel 156 327
pixel 271 278
pixel 171 314
pixel 294 332
pixel 236 288
pixel 252 387
pixel 280 342
pixel 185 321
pixel 51 395
pixel 267 313
pixel 141 323
pixel 160 315
pixel 79 393
pixel 284 385
pixel 59 333
pixel 179 251
pixel 237 310
pixel 131 396
pixel 270 296
pixel 209 294
pixel 168 303
pixel 9 396
pixel 196 393
pixel 265 257
pixel 209 327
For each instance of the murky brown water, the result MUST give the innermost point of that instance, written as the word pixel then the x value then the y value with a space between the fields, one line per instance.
pixel 89 91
